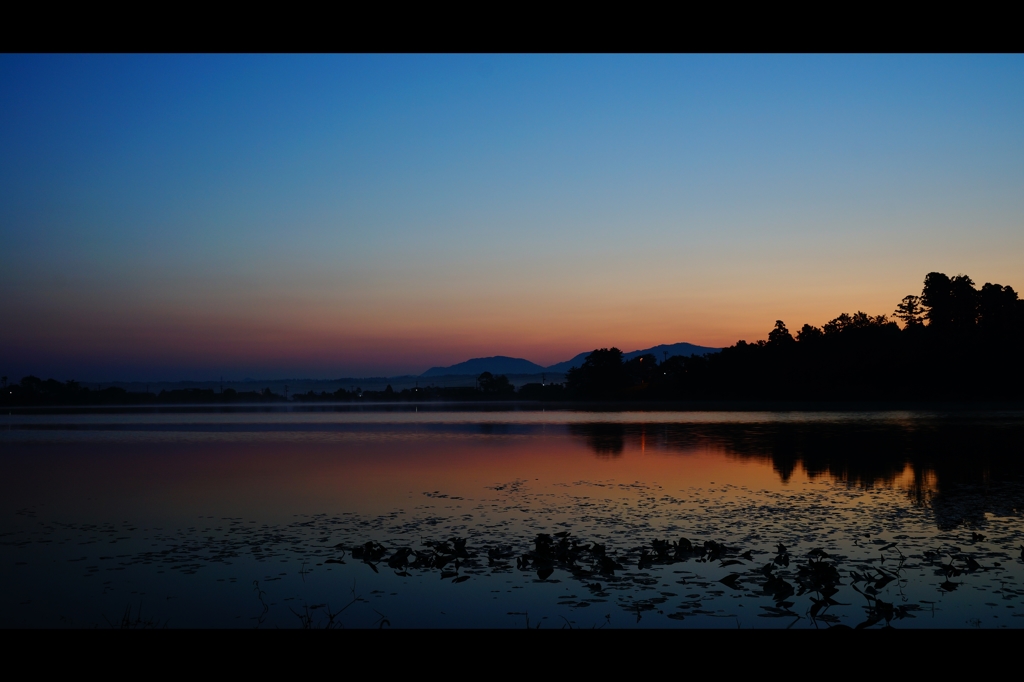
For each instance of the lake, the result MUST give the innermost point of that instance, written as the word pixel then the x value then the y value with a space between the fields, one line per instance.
pixel 508 517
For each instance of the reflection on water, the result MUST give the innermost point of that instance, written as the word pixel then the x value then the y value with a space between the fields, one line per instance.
pixel 944 461
pixel 355 518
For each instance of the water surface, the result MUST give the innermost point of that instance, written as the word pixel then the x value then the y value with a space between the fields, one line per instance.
pixel 209 517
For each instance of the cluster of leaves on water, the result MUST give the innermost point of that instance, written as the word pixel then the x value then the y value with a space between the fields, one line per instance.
pixel 835 569
pixel 816 575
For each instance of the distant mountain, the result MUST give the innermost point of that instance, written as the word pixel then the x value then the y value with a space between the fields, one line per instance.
pixel 563 367
pixel 671 349
pixel 660 352
pixel 499 364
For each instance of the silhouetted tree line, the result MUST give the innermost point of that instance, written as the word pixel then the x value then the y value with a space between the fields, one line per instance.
pixel 32 390
pixel 489 387
pixel 957 342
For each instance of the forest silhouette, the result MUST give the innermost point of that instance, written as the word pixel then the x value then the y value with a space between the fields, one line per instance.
pixel 956 343
pixel 953 342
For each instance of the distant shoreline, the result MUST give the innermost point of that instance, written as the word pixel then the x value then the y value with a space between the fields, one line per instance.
pixel 553 406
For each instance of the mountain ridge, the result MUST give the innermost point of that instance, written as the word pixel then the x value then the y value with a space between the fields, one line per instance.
pixel 495 364
pixel 503 364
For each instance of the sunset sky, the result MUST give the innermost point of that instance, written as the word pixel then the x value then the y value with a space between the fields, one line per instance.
pixel 189 217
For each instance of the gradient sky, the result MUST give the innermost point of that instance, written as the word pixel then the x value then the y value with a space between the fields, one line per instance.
pixel 187 217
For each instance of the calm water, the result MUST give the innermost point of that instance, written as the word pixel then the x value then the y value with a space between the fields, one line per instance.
pixel 260 518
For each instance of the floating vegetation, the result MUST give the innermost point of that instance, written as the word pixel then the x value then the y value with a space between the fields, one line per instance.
pixel 823 555
pixel 599 552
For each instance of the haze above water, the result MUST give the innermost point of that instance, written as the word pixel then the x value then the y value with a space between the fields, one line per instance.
pixel 260 518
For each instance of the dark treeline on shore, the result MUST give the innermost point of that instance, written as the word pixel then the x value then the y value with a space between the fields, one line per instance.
pixel 954 342
pixel 33 391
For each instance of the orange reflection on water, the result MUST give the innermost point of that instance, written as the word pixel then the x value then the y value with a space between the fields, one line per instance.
pixel 274 475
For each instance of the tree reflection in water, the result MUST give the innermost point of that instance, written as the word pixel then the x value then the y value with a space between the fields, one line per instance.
pixel 962 466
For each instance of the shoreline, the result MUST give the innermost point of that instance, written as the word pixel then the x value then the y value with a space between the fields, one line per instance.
pixel 555 406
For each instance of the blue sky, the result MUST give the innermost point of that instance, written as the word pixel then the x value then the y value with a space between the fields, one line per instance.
pixel 193 216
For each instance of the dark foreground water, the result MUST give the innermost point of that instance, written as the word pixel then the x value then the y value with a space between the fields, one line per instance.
pixel 430 518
